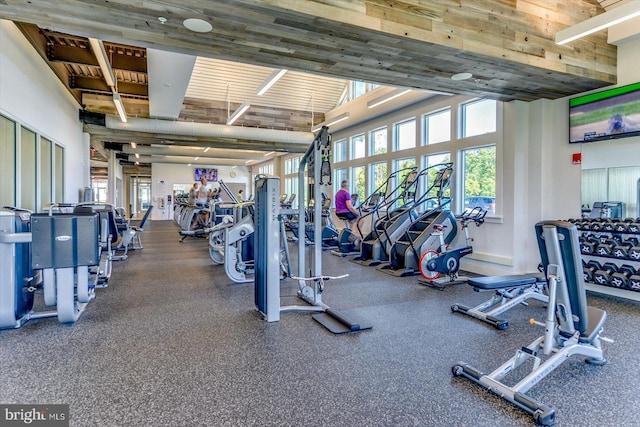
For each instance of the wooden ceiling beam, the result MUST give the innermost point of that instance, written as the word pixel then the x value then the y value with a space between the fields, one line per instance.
pixel 85 56
pixel 508 45
pixel 99 85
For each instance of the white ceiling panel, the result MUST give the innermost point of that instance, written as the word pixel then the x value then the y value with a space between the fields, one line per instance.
pixel 217 80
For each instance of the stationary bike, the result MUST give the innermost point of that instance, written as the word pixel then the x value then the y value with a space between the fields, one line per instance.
pixel 433 264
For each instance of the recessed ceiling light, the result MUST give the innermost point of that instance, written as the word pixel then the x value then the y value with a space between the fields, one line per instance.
pixel 461 76
pixel 162 19
pixel 197 25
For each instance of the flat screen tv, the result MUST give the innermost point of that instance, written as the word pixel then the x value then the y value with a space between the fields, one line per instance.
pixel 210 174
pixel 613 113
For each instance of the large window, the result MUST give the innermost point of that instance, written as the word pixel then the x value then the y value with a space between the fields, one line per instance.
pixel 100 187
pixel 266 169
pixel 400 164
pixel 378 175
pixel 291 187
pixel 46 183
pixel 430 161
pixel 479 178
pixel 59 173
pixel 291 166
pixel 340 151
pixel 7 162
pixel 358 182
pixel 338 176
pixel 378 141
pixel 478 117
pixel 358 89
pixel 437 127
pixel 357 146
pixel 404 135
pixel 28 169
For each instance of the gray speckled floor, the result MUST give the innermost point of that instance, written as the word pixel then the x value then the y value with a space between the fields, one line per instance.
pixel 172 342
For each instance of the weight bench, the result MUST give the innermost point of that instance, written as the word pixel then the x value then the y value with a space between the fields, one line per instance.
pixel 571 328
pixel 509 292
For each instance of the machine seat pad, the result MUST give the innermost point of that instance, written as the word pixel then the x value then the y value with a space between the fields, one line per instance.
pixel 491 283
pixel 595 323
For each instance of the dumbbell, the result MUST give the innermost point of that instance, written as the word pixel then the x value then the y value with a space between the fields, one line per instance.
pixel 589 269
pixel 597 225
pixel 608 224
pixel 621 226
pixel 622 250
pixel 586 224
pixel 633 226
pixel 602 276
pixel 634 253
pixel 589 244
pixel 606 248
pixel 634 282
pixel 620 278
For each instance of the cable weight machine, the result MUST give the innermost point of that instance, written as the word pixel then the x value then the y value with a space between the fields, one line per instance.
pixel 311 280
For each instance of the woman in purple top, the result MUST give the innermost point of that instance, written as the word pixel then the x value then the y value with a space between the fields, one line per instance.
pixel 344 206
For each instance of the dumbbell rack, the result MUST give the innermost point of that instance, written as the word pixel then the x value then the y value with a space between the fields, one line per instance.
pixel 610 250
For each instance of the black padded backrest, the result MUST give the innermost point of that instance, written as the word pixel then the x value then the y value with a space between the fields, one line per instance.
pixel 558 244
pixel 107 212
pixel 146 216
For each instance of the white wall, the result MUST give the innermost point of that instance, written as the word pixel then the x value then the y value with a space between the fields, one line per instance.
pixel 164 175
pixel 32 95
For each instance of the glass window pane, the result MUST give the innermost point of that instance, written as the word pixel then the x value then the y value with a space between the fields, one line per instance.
pixel 437 127
pixel 405 135
pixel 358 89
pixel 400 164
pixel 357 147
pixel 287 166
pixel 433 160
pixel 480 178
pixel 378 176
pixel 338 176
pixel 378 141
pixel 358 182
pixel 479 117
pixel 45 173
pixel 7 162
pixel 28 169
pixel 339 151
pixel 59 174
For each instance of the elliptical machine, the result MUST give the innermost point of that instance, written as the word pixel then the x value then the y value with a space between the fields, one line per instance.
pixel 433 264
pixel 348 242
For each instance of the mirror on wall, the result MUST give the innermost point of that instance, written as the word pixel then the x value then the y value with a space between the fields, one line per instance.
pixel 611 178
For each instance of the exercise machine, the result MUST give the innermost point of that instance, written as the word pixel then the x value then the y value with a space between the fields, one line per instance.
pixel 571 327
pixel 435 263
pixel 48 253
pixel 419 236
pixel 376 244
pixel 348 241
pixel 509 291
pixel 268 233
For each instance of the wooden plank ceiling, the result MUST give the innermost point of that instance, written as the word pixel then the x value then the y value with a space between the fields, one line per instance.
pixel 508 45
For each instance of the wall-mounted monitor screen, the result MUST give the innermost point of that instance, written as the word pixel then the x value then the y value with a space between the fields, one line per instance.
pixel 613 113
pixel 210 174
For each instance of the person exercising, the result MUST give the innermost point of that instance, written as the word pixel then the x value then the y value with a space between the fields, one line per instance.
pixel 344 206
pixel 201 201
